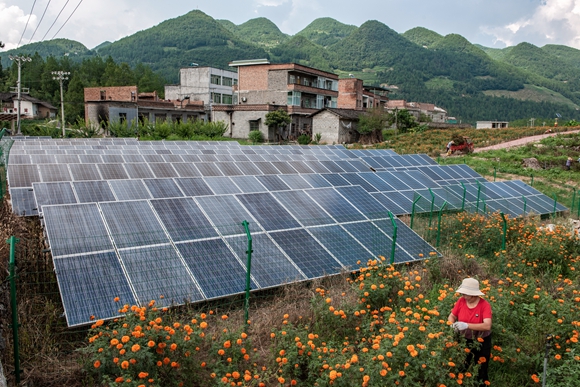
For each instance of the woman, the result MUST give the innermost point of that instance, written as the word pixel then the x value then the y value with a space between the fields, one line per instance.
pixel 471 317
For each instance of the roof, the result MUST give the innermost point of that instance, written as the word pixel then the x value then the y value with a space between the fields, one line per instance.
pixel 4 97
pixel 349 114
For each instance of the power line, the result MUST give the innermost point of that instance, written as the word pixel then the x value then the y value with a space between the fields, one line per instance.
pixel 57 16
pixel 74 10
pixel 26 26
pixel 38 25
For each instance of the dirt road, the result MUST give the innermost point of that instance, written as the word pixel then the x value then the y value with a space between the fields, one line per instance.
pixel 520 141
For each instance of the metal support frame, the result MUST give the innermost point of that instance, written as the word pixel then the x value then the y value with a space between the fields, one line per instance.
pixel 463 198
pixel 14 306
pixel 394 237
pixel 555 205
pixel 413 210
pixel 249 252
pixel 439 223
pixel 525 204
pixel 504 231
pixel 432 205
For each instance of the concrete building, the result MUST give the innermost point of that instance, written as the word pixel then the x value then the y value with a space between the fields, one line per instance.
pixel 125 103
pixel 336 126
pixel 491 124
pixel 419 110
pixel 209 85
pixel 30 107
pixel 299 90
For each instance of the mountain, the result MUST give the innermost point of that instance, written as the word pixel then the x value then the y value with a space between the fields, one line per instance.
pixel 422 36
pixel 472 82
pixel 194 37
pixel 55 47
pixel 262 32
pixel 303 51
pixel 326 31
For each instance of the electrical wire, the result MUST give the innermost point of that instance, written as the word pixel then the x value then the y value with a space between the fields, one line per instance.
pixel 38 25
pixel 57 16
pixel 26 26
pixel 73 12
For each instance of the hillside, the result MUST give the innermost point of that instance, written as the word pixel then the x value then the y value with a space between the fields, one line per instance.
pixel 422 36
pixel 55 47
pixel 470 81
pixel 261 31
pixel 194 37
pixel 326 31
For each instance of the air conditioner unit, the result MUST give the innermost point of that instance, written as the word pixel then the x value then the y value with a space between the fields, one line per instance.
pixel 244 99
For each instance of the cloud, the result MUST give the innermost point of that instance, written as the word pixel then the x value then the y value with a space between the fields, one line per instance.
pixel 13 20
pixel 553 22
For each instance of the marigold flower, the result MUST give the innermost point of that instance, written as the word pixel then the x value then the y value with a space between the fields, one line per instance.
pixel 97 364
pixel 125 364
pixel 135 348
pixel 143 375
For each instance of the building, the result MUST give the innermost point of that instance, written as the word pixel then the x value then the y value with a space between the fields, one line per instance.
pixel 336 126
pixel 125 103
pixel 209 85
pixel 420 110
pixel 31 108
pixel 299 90
pixel 491 125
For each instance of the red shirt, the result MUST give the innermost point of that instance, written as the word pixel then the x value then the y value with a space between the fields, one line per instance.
pixel 472 316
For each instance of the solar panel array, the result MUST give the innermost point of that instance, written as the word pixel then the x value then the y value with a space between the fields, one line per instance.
pixel 162 220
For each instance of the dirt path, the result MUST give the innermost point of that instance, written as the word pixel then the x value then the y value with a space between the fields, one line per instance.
pixel 520 141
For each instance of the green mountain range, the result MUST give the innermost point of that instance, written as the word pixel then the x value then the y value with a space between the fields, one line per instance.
pixel 470 81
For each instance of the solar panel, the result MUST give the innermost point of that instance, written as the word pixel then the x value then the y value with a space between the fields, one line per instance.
pixel 75 229
pixel 132 224
pixel 335 205
pixel 228 276
pixel 312 259
pixel 226 213
pixel 89 285
pixel 341 245
pixel 267 211
pixel 364 202
pixel 161 170
pixel 163 188
pixel 272 183
pixel 22 175
pixel 303 208
pixel 270 266
pixel 129 189
pixel 23 202
pixel 53 193
pixel 183 219
pixel 221 185
pixel 93 191
pixel 138 171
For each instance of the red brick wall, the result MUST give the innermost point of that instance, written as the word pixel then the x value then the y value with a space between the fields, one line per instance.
pixel 121 93
pixel 350 90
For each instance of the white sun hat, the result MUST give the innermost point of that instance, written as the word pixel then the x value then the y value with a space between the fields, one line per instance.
pixel 470 287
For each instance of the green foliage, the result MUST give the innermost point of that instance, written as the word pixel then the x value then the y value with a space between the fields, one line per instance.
pixel 260 31
pixel 402 120
pixel 277 118
pixel 326 31
pixel 304 139
pixel 317 138
pixel 256 136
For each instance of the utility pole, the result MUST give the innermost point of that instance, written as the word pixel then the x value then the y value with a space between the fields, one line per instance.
pixel 19 60
pixel 61 76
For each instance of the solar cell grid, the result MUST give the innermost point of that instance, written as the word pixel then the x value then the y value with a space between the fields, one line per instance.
pixel 267 211
pixel 161 170
pixel 163 188
pixel 295 181
pixel 23 202
pixel 132 189
pixel 226 213
pixel 22 175
pixel 272 183
pixel 54 172
pixel 53 193
pixel 335 205
pixel 364 202
pixel 221 185
pixel 84 172
pixel 248 184
pixel 303 208
pixel 356 179
pixel 312 259
pixel 138 171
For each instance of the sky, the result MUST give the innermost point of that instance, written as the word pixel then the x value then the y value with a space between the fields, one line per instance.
pixel 491 23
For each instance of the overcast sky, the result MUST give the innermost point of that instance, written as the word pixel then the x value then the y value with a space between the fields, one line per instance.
pixel 492 23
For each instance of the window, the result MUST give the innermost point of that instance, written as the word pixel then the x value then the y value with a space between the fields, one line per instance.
pixel 226 99
pixel 254 125
pixel 122 117
pixel 291 79
pixel 227 81
pixel 294 98
pixel 216 97
pixel 103 95
pixel 216 80
pixel 306 82
pixel 235 81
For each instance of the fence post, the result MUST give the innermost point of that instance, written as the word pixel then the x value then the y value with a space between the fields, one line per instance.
pixel 555 203
pixel 573 201
pixel 14 306
pixel 463 198
pixel 248 271
pixel 413 210
pixel 394 244
pixel 525 204
pixel 432 205
pixel 578 208
pixel 532 182
pixel 494 172
pixel 439 223
pixel 478 194
pixel 504 228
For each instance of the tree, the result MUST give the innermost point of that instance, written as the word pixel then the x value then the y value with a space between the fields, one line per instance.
pixel 278 119
pixel 403 120
pixel 371 125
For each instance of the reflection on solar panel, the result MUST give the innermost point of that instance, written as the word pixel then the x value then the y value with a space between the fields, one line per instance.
pixel 165 218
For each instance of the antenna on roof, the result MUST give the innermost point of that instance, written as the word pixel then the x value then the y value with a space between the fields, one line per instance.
pixel 193 64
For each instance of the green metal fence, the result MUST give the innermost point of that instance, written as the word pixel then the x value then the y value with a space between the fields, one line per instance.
pixel 5 145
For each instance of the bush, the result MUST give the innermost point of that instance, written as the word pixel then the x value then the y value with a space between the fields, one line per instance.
pixel 304 139
pixel 256 136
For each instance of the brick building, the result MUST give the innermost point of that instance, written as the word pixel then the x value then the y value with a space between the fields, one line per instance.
pixel 30 107
pixel 210 85
pixel 419 110
pixel 125 103
pixel 299 90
